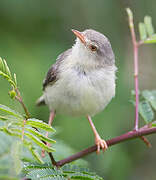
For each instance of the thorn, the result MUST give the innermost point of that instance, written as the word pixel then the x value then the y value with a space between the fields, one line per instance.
pixel 146 141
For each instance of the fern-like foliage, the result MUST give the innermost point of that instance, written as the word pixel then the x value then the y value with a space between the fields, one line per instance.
pixel 30 131
pixel 14 124
pixel 10 162
pixel 5 73
pixel 47 172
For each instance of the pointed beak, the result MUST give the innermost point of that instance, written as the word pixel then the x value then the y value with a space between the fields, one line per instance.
pixel 79 35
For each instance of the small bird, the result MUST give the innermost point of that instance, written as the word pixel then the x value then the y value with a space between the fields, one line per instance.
pixel 82 81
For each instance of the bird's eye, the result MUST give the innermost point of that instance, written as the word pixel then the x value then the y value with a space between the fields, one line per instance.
pixel 93 47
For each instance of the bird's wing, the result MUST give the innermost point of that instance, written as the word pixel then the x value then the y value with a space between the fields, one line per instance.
pixel 52 75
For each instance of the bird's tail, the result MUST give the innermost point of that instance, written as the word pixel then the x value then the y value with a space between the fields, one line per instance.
pixel 40 101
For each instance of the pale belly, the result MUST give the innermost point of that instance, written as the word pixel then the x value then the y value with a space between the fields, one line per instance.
pixel 81 94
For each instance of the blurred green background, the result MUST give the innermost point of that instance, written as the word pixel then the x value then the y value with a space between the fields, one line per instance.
pixel 34 32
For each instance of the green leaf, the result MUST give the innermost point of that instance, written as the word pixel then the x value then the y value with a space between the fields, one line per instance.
pixel 39 135
pixel 9 132
pixel 10 111
pixel 15 79
pixel 154 124
pixel 150 96
pixel 7 70
pixel 149 26
pixel 36 154
pixel 142 31
pixel 151 40
pixel 2 68
pixel 7 171
pixel 5 76
pixel 47 172
pixel 146 111
pixel 39 124
pixel 3 118
pixel 5 73
pixel 33 151
pixel 34 138
pixel 39 142
pixel 15 153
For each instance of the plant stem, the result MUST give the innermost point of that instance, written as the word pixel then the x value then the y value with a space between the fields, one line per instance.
pixel 136 82
pixel 136 86
pixel 124 137
pixel 52 159
pixel 20 100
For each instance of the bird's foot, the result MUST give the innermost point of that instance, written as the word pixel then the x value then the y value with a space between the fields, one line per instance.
pixel 101 144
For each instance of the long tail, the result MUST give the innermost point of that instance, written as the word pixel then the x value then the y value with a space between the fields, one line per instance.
pixel 40 101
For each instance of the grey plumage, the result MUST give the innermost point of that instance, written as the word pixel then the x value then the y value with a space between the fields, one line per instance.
pixel 104 55
pixel 52 74
pixel 105 49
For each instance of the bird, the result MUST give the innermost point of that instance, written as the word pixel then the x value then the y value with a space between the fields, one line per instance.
pixel 82 80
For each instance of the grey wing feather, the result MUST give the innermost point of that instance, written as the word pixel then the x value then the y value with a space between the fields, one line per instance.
pixel 53 72
pixel 52 75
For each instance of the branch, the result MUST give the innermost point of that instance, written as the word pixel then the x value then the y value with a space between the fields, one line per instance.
pixel 145 130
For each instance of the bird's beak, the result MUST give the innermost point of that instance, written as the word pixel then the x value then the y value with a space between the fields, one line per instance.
pixel 79 35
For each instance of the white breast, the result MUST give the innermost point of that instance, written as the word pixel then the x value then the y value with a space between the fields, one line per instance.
pixel 77 93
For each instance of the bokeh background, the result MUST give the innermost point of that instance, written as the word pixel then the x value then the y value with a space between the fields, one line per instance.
pixel 34 33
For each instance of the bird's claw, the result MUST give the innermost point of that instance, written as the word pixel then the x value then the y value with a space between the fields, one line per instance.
pixel 101 144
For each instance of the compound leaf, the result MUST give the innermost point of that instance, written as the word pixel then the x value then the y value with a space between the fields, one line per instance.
pixel 146 111
pixel 39 124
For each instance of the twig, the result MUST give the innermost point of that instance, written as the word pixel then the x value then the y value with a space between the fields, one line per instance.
pixel 135 52
pixel 20 100
pixel 52 159
pixel 124 137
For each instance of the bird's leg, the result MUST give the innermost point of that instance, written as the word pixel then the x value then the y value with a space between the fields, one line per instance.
pixel 51 118
pixel 98 141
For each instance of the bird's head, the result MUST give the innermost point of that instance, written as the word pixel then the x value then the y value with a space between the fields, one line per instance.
pixel 93 46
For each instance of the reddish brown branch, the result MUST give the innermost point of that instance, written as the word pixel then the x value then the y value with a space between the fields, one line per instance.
pixel 124 137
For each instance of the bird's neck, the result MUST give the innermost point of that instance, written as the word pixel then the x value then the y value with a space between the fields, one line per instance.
pixel 81 58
